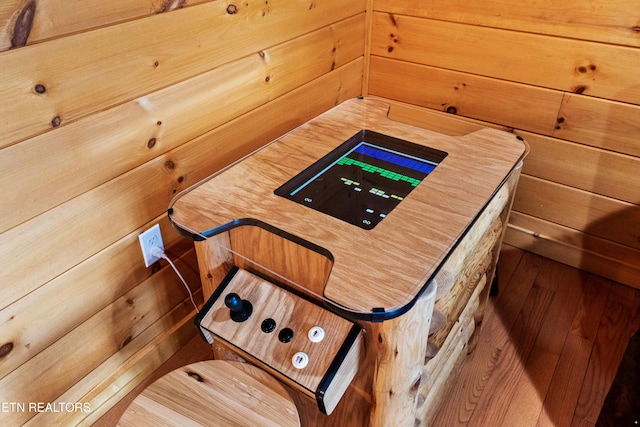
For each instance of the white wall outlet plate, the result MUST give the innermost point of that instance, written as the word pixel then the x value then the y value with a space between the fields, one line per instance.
pixel 148 240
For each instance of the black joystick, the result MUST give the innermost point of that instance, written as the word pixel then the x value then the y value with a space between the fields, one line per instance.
pixel 240 309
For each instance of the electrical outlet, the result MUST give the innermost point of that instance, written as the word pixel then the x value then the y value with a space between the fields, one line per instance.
pixel 148 240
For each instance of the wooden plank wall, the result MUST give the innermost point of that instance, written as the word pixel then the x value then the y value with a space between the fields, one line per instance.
pixel 561 74
pixel 108 110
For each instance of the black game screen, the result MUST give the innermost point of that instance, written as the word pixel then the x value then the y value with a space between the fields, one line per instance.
pixel 363 179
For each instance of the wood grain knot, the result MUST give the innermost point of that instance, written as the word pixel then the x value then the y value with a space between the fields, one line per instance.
pixel 232 9
pixel 452 110
pixel 196 376
pixel 40 88
pixel 169 164
pixel 172 4
pixel 5 349
pixel 56 121
pixel 579 89
pixel 151 143
pixel 126 341
pixel 22 27
pixel 584 69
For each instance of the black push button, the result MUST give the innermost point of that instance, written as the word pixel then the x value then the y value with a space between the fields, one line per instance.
pixel 268 325
pixel 285 335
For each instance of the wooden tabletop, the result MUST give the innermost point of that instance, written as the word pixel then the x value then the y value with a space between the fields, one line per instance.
pixel 213 393
pixel 388 266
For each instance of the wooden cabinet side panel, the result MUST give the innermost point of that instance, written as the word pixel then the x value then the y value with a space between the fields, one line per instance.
pixel 282 260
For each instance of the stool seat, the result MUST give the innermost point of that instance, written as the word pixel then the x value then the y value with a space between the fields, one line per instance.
pixel 213 393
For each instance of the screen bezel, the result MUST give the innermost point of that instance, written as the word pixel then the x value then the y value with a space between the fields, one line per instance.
pixel 402 146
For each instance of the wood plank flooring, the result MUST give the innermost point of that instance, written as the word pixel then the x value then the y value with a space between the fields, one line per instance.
pixel 549 347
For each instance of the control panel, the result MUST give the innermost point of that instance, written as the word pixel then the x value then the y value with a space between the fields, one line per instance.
pixel 301 343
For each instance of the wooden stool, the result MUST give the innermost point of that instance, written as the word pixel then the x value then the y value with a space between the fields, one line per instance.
pixel 213 393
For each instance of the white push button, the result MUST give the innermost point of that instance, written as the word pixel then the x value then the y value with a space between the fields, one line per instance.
pixel 300 360
pixel 316 334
